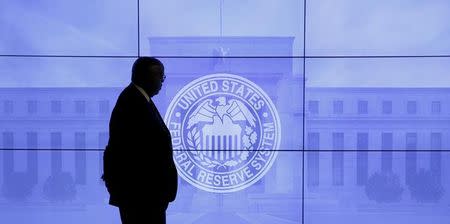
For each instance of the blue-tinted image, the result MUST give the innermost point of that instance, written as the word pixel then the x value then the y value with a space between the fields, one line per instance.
pixel 376 140
pixel 222 28
pixel 70 110
pixel 300 139
pixel 376 186
pixel 377 27
pixel 68 28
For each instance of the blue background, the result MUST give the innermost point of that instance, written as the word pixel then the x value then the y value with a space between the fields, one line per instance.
pixel 361 87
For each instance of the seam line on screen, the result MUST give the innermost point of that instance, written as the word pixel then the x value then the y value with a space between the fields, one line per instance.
pixel 67 56
pixel 247 56
pixel 303 111
pixel 206 150
pixel 138 29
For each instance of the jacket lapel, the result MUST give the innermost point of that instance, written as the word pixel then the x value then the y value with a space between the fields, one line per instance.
pixel 160 119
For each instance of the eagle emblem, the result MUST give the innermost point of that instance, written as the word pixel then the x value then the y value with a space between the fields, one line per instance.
pixel 225 132
pixel 221 123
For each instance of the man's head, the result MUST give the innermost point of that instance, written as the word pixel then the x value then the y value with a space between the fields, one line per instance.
pixel 148 73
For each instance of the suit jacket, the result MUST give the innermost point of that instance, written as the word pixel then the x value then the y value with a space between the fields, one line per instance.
pixel 138 167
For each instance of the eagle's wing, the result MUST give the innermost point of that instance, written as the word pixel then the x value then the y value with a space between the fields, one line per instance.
pixel 239 112
pixel 204 112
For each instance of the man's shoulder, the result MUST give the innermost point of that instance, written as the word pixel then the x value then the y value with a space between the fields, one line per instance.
pixel 128 94
pixel 130 99
pixel 128 90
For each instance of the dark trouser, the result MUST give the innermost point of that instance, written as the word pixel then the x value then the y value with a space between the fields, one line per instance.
pixel 143 214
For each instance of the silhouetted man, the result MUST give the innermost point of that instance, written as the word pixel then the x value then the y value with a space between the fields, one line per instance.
pixel 139 171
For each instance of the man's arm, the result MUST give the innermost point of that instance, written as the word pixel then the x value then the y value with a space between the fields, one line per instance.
pixel 173 182
pixel 120 134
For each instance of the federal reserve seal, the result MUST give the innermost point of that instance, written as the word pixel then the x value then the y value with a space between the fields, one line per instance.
pixel 225 132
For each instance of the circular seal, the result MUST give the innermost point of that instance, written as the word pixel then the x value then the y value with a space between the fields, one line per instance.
pixel 225 132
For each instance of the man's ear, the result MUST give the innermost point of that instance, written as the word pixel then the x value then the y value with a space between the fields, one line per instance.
pixel 156 69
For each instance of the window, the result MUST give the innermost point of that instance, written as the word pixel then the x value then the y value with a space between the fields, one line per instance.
pixel 410 157
pixel 80 106
pixel 55 106
pixel 102 142
pixel 313 106
pixel 362 141
pixel 338 140
pixel 362 160
pixel 313 159
pixel 103 139
pixel 435 156
pixel 436 140
pixel 56 156
pixel 411 107
pixel 80 158
pixel 80 140
pixel 411 141
pixel 362 107
pixel 436 107
pixel 8 107
pixel 338 107
pixel 387 107
pixel 338 159
pixel 387 141
pixel 8 156
pixel 32 143
pixel 386 154
pixel 8 140
pixel 103 106
pixel 32 106
pixel 313 141
pixel 55 140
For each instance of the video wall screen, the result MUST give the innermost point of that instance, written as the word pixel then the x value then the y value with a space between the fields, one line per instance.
pixel 348 27
pixel 378 125
pixel 69 28
pixel 281 112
